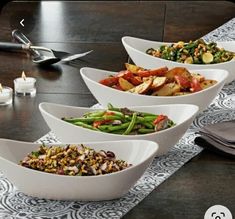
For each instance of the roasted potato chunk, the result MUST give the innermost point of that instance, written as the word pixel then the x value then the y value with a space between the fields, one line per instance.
pixel 167 90
pixel 178 71
pixel 133 68
pixel 124 84
pixel 158 82
pixel 199 77
pixel 207 83
pixel 181 93
pixel 142 88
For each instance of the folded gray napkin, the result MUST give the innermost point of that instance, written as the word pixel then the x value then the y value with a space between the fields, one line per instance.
pixel 223 131
pixel 219 138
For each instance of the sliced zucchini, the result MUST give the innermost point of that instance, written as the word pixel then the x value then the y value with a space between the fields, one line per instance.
pixel 207 57
pixel 188 60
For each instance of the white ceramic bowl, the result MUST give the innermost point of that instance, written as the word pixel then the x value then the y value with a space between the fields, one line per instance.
pixel 181 114
pixel 136 48
pixel 140 153
pixel 105 94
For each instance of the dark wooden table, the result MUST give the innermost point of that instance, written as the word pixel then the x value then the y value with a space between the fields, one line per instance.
pixel 207 179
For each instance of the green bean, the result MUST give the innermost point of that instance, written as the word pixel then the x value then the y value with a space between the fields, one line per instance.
pixel 170 123
pixel 111 117
pixel 150 118
pixel 103 128
pixel 190 45
pixel 144 123
pixel 145 131
pixel 110 107
pixel 146 114
pixel 94 114
pixel 84 125
pixel 111 128
pixel 132 122
pixel 118 127
pixel 84 119
pixel 131 125
pixel 120 132
pixel 148 125
pixel 70 120
pixel 127 118
pixel 116 113
pixel 146 118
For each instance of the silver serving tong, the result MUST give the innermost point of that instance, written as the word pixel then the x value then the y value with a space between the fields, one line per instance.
pixel 51 57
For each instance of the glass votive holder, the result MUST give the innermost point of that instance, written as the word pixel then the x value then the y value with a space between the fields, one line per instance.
pixel 25 86
pixel 5 96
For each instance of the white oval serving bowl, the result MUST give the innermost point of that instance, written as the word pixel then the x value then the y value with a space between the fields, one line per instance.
pixel 105 94
pixel 136 49
pixel 39 184
pixel 182 114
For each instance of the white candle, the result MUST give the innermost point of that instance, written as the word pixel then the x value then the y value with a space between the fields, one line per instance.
pixel 5 95
pixel 25 85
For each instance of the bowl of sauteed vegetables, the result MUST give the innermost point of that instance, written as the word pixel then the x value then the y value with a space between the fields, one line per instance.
pixel 196 54
pixel 88 172
pixel 164 124
pixel 135 86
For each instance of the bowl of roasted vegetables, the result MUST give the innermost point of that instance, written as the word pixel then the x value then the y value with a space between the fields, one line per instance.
pixel 164 124
pixel 135 86
pixel 196 54
pixel 73 171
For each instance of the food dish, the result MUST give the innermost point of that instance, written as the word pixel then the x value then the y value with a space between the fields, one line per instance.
pixel 73 160
pixel 136 48
pixel 192 52
pixel 158 82
pixel 181 114
pixel 121 121
pixel 139 153
pixel 105 94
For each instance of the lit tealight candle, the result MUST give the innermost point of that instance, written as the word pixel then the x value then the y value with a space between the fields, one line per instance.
pixel 5 95
pixel 25 85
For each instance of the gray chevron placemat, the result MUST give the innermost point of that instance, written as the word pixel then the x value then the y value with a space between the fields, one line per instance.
pixel 14 204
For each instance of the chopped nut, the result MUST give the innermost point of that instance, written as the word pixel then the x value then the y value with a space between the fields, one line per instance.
pixel 73 160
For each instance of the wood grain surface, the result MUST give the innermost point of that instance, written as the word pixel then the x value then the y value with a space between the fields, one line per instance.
pixel 76 27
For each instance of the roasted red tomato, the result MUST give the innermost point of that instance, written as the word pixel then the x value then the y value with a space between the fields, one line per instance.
pixel 110 81
pixel 182 81
pixel 159 119
pixel 125 74
pixel 195 85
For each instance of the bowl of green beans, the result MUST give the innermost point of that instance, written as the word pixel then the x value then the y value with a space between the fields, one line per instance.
pixel 164 124
pixel 196 54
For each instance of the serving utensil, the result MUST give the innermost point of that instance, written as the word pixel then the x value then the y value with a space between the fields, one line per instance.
pixel 38 57
pixel 55 56
pixel 64 56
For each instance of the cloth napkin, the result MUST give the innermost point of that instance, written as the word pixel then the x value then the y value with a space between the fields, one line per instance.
pixel 219 138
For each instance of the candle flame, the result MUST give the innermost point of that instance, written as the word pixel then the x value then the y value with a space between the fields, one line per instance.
pixel 0 88
pixel 23 75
